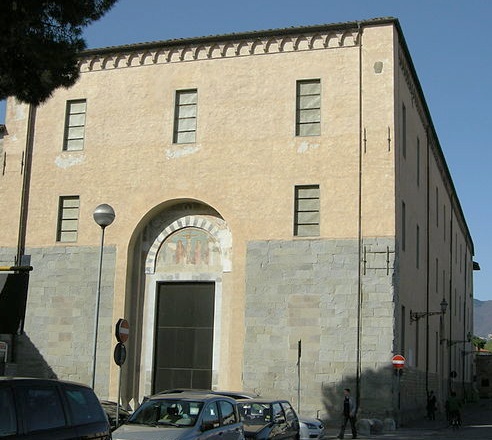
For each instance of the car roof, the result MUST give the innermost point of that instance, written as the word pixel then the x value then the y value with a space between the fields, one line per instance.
pixel 37 380
pixel 192 396
pixel 232 394
pixel 262 400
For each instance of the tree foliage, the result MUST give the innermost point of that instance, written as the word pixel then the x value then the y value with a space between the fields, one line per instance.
pixel 488 345
pixel 478 342
pixel 39 44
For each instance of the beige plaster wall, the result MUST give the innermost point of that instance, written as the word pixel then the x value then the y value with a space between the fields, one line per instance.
pixel 245 163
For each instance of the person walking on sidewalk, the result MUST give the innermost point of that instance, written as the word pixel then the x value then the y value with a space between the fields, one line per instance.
pixel 454 409
pixel 349 409
pixel 431 406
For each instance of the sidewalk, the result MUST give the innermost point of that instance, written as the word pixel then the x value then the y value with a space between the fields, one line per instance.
pixel 477 425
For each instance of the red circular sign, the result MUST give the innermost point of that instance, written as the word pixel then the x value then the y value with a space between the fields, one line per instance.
pixel 122 330
pixel 398 361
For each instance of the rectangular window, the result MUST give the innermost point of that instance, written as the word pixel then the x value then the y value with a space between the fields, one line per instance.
pixel 403 225
pixel 8 417
pixel 456 248
pixel 444 215
pixel 417 247
pixel 404 130
pixel 455 302
pixel 306 221
pixel 403 336
pixel 74 125
pixel 83 405
pixel 185 115
pixel 437 275
pixel 45 409
pixel 444 287
pixel 437 207
pixel 436 351
pixel 308 108
pixel 68 219
pixel 461 256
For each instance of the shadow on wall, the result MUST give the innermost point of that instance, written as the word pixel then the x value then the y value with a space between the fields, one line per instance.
pixel 28 361
pixel 376 400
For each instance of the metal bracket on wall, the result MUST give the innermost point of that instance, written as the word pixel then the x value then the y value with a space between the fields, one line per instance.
pixel 388 265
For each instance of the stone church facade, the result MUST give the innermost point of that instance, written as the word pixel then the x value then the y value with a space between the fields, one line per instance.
pixel 285 221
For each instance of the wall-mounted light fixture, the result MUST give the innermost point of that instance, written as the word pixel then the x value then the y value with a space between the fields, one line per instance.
pixel 468 339
pixel 415 316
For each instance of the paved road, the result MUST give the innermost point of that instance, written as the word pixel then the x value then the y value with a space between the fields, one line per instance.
pixel 477 425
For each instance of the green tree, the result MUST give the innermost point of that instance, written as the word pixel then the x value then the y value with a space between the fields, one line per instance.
pixel 488 345
pixel 39 44
pixel 478 342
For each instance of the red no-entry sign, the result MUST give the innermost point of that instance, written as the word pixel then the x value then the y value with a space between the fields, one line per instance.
pixel 122 330
pixel 398 361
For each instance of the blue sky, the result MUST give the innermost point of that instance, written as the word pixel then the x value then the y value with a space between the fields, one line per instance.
pixel 449 41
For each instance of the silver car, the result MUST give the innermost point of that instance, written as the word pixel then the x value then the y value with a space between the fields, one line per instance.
pixel 183 416
pixel 310 428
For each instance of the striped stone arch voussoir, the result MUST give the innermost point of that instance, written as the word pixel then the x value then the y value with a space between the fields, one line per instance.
pixel 216 228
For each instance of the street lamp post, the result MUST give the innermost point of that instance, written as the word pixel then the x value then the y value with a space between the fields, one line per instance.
pixel 103 215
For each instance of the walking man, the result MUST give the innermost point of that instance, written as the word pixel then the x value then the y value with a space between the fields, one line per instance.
pixel 431 406
pixel 349 409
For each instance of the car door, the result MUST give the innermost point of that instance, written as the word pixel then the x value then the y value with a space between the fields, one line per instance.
pixel 210 422
pixel 292 420
pixel 214 426
pixel 280 429
pixel 230 421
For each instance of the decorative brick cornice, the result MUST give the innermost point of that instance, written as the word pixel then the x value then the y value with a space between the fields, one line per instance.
pixel 208 48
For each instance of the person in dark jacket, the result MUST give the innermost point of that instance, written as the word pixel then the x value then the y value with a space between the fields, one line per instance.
pixel 349 410
pixel 431 406
pixel 454 408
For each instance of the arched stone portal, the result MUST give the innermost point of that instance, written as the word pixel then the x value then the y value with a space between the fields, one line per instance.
pixel 184 259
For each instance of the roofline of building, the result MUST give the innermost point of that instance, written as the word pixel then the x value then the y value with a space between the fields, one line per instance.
pixel 237 36
pixel 295 31
pixel 433 131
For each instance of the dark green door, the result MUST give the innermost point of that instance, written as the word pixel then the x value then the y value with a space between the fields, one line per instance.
pixel 184 336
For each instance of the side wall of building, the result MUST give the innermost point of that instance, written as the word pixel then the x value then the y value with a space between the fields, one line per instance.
pixel 435 255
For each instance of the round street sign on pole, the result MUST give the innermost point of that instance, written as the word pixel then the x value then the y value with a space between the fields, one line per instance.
pixel 122 330
pixel 119 354
pixel 398 361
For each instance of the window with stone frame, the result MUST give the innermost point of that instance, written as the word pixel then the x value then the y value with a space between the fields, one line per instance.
pixel 306 211
pixel 75 125
pixel 68 219
pixel 185 117
pixel 308 108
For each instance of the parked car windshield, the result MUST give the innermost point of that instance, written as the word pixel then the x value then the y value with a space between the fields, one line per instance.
pixel 164 412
